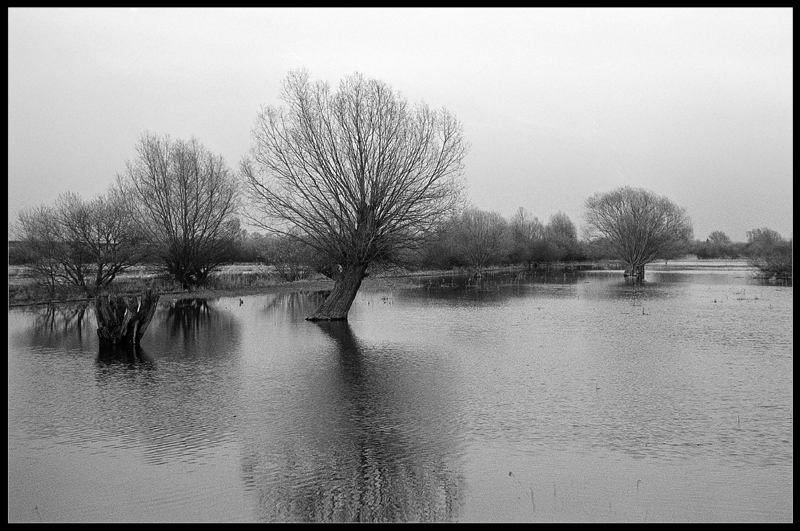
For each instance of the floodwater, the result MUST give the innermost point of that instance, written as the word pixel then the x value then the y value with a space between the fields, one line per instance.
pixel 562 398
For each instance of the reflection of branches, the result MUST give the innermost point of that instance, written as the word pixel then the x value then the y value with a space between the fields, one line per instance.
pixel 178 403
pixel 293 304
pixel 193 326
pixel 186 316
pixel 394 483
pixel 52 319
pixel 355 439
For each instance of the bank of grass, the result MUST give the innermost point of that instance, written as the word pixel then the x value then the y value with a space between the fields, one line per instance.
pixel 236 279
pixel 230 280
pixel 239 280
pixel 248 279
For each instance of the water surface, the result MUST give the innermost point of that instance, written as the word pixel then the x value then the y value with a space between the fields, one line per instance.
pixel 567 397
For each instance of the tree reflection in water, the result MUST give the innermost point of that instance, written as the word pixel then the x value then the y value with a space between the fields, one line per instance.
pixel 185 317
pixel 288 307
pixel 351 458
pixel 61 326
pixel 150 394
pixel 195 327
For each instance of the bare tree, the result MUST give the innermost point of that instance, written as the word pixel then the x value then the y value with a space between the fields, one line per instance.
pixel 186 200
pixel 636 226
pixel 770 253
pixel 719 238
pixel 358 175
pixel 561 237
pixel 717 245
pixel 762 241
pixel 440 250
pixel 481 237
pixel 102 239
pixel 526 231
pixel 39 233
pixel 83 243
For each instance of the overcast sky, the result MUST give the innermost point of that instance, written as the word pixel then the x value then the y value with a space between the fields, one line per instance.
pixel 557 104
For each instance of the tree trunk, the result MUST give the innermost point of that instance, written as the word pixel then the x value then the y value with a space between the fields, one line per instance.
pixel 338 302
pixel 122 320
pixel 635 272
pixel 638 273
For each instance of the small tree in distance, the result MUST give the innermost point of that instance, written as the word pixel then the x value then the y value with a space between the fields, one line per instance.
pixel 717 245
pixel 719 238
pixel 82 243
pixel 40 236
pixel 526 233
pixel 762 241
pixel 770 253
pixel 561 237
pixel 358 175
pixel 636 226
pixel 481 238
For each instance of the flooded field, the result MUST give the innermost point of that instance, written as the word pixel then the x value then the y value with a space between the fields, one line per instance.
pixel 553 397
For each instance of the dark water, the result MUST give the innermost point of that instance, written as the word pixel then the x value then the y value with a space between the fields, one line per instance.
pixel 562 398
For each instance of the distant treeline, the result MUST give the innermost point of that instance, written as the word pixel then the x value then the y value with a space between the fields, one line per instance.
pixel 481 239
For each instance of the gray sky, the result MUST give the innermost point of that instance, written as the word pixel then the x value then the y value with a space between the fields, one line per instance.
pixel 557 104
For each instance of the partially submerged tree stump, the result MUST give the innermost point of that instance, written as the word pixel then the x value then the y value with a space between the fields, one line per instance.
pixel 122 320
pixel 636 273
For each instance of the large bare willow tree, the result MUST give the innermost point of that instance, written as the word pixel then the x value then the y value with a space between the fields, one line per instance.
pixel 186 200
pixel 359 175
pixel 636 226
